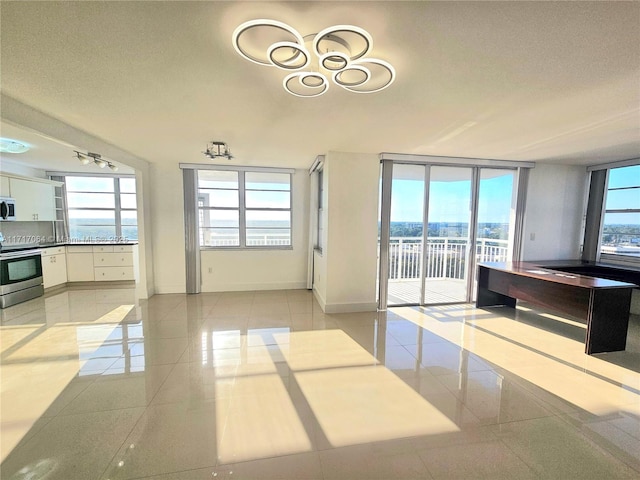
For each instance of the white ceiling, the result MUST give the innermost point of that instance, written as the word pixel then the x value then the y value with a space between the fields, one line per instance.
pixel 531 81
pixel 50 154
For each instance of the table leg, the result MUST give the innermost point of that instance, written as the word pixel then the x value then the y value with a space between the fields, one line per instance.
pixel 608 320
pixel 489 298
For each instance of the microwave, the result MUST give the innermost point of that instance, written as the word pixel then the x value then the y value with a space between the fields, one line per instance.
pixel 7 209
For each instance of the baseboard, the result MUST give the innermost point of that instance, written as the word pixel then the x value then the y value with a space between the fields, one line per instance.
pixel 254 287
pixel 166 289
pixel 55 289
pixel 95 285
pixel 350 307
pixel 320 299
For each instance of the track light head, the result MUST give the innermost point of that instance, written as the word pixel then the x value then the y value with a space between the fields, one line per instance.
pixel 96 158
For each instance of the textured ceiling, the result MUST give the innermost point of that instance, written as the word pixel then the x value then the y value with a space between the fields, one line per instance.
pixel 535 81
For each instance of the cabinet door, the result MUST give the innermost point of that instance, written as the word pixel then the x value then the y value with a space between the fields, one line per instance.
pixel 80 267
pixel 34 200
pixel 54 270
pixel 4 186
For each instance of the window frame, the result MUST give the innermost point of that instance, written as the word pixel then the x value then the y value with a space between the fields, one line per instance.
pixel 117 208
pixel 616 257
pixel 243 209
pixel 320 211
pixel 594 230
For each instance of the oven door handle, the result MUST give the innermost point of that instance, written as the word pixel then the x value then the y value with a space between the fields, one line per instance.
pixel 24 253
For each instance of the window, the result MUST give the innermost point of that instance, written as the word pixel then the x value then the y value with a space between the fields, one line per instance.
pixel 244 208
pixel 621 219
pixel 101 208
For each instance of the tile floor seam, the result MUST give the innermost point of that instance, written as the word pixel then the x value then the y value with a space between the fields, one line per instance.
pixel 117 450
pixel 566 418
pixel 61 412
pixel 575 432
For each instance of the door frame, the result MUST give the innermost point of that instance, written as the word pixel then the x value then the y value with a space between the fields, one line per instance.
pixel 387 162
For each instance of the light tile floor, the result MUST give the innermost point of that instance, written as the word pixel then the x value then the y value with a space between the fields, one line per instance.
pixel 96 384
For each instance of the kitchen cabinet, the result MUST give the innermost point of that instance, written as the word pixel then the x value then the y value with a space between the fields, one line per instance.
pixel 54 266
pixel 100 263
pixel 80 263
pixel 4 186
pixel 34 199
pixel 113 262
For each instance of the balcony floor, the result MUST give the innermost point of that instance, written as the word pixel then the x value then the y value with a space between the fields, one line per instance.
pixel 438 290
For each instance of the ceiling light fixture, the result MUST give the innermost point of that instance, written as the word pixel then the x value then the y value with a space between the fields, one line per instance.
pixel 218 149
pixel 339 53
pixel 8 145
pixel 96 158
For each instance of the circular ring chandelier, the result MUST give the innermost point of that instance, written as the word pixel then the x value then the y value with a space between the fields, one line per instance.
pixel 338 53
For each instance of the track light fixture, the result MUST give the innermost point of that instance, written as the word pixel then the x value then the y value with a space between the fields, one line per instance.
pixel 338 53
pixel 218 149
pixel 96 158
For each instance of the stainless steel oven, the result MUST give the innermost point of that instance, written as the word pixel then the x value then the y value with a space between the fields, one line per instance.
pixel 20 276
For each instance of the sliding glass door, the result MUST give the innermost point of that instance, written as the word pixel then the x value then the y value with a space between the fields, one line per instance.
pixel 449 235
pixel 442 221
pixel 406 234
pixel 496 217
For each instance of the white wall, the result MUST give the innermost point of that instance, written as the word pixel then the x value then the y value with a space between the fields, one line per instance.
pixel 320 278
pixel 349 258
pixel 554 212
pixel 237 270
pixel 167 228
pixel 145 284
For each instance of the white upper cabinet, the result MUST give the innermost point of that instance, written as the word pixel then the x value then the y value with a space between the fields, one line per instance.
pixel 34 199
pixel 4 187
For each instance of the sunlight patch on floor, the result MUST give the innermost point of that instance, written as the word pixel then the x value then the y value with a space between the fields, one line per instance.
pixel 533 353
pixel 369 404
pixel 51 358
pixel 260 421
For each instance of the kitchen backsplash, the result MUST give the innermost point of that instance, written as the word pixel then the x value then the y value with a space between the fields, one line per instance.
pixel 16 233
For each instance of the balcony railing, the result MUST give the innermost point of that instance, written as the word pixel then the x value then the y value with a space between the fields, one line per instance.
pixel 446 256
pixel 265 239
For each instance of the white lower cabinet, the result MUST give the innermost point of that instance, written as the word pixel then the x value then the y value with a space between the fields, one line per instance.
pixel 80 263
pixel 54 266
pixel 100 263
pixel 113 262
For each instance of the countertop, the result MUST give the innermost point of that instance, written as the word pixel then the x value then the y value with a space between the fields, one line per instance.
pixel 22 247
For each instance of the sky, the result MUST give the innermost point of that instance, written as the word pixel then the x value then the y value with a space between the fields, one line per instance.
pixel 620 196
pixel 450 201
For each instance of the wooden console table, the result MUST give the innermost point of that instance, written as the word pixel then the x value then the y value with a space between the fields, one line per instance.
pixel 603 304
